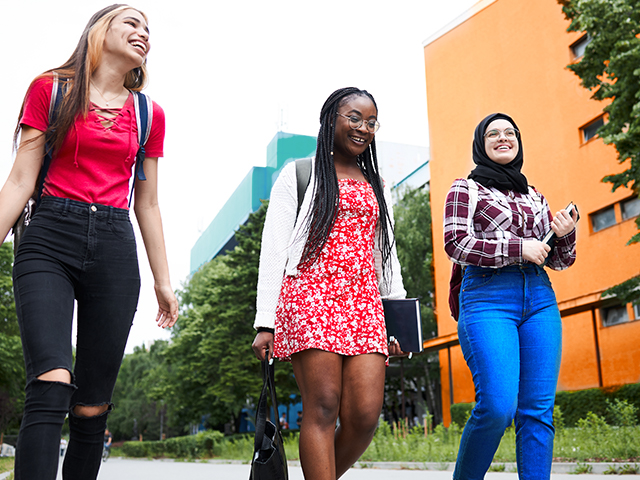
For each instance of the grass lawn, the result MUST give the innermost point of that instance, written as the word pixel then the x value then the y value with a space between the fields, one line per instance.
pixel 597 442
pixel 589 443
pixel 6 464
pixel 591 440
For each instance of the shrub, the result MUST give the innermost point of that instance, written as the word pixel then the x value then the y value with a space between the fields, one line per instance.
pixel 630 393
pixel 558 419
pixel 621 413
pixel 576 405
pixel 460 412
pixel 134 449
pixel 202 445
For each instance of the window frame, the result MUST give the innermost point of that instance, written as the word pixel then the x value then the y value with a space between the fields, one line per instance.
pixel 588 126
pixel 602 210
pixel 627 201
pixel 622 307
pixel 581 43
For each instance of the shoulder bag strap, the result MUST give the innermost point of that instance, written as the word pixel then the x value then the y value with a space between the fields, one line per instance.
pixel 268 389
pixel 272 388
pixel 54 107
pixel 473 200
pixel 261 412
pixel 144 117
pixel 303 177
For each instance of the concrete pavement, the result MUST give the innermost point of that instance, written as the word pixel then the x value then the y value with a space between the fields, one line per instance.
pixel 124 469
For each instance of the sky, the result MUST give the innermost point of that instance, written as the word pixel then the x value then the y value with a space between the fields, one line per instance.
pixel 229 76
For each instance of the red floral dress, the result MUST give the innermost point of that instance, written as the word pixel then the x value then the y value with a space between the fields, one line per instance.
pixel 334 304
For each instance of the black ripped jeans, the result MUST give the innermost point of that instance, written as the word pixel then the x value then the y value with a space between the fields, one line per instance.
pixel 87 252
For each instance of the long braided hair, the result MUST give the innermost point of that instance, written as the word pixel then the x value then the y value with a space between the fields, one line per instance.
pixel 324 210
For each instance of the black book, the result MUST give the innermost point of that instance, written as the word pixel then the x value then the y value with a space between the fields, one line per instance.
pixel 403 322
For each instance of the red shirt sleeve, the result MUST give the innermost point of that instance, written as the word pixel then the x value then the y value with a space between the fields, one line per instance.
pixel 155 144
pixel 36 104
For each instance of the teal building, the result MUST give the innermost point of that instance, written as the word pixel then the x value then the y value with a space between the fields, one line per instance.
pixel 219 236
pixel 399 164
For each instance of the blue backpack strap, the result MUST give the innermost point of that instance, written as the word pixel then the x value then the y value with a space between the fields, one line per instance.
pixel 144 117
pixel 54 106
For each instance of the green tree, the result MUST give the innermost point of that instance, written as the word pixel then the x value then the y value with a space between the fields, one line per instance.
pixel 415 251
pixel 213 372
pixel 139 409
pixel 610 69
pixel 12 378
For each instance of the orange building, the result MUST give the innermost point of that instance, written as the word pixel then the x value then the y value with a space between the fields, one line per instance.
pixel 510 56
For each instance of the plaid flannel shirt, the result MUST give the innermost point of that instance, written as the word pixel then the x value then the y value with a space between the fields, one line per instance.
pixel 493 237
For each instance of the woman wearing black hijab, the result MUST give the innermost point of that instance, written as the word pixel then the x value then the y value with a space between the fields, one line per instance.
pixel 509 325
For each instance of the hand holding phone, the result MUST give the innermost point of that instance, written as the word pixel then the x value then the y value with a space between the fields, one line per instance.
pixel 550 237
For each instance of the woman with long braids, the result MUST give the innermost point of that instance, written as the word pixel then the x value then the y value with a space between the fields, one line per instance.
pixel 509 325
pixel 322 275
pixel 80 244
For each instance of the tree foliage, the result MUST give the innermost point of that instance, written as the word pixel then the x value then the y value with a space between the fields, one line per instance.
pixel 138 408
pixel 415 251
pixel 610 68
pixel 212 371
pixel 12 377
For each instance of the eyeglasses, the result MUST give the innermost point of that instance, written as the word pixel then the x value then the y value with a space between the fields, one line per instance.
pixel 355 122
pixel 509 133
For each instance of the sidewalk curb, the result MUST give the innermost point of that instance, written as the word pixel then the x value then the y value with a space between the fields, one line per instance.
pixel 5 474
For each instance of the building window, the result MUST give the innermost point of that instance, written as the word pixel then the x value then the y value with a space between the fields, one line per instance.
pixel 577 49
pixel 636 310
pixel 603 219
pixel 614 315
pixel 591 129
pixel 630 208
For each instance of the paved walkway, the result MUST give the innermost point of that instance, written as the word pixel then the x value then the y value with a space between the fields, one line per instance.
pixel 124 469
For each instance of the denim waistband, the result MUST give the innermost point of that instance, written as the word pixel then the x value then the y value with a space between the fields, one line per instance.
pixel 523 267
pixel 66 205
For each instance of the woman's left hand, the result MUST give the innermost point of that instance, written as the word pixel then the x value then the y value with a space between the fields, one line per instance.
pixel 563 223
pixel 395 350
pixel 167 306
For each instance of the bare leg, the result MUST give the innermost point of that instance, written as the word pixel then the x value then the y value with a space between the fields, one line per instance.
pixel 319 377
pixel 360 407
pixel 57 375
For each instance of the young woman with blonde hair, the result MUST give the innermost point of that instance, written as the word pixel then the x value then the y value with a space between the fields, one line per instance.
pixel 80 243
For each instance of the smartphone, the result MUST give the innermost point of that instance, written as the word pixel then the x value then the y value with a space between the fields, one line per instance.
pixel 549 238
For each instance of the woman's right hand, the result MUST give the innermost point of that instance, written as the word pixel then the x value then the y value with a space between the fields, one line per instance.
pixel 263 342
pixel 535 251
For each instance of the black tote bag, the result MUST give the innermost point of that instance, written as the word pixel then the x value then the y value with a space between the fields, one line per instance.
pixel 269 461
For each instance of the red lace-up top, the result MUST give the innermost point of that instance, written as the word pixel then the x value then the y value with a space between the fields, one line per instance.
pixel 95 162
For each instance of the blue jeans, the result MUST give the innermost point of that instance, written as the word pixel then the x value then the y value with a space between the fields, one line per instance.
pixel 511 336
pixel 84 252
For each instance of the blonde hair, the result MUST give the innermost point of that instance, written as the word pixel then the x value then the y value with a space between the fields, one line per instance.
pixel 76 74
pixel 95 44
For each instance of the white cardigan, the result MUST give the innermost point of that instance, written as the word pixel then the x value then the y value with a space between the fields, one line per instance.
pixel 283 241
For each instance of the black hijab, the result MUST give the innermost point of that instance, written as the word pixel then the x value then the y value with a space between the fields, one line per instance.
pixel 490 173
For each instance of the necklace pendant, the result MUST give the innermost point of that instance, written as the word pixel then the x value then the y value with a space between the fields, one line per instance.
pixel 106 103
